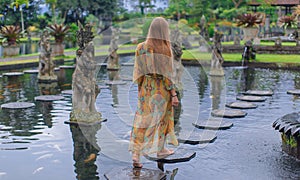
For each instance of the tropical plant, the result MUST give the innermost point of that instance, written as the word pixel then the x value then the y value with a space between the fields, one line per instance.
pixel 249 19
pixel 11 34
pixel 288 21
pixel 58 31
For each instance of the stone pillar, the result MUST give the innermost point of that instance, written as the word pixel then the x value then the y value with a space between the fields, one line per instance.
pixel 217 59
pixel 237 39
pixel 85 89
pixel 46 66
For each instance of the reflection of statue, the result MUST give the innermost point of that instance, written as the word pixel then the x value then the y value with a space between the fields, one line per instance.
pixel 217 58
pixel 48 88
pixel 46 66
pixel 113 58
pixel 85 89
pixel 85 151
pixel 216 83
pixel 114 92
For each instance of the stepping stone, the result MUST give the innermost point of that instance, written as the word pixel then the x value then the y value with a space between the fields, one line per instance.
pixel 113 69
pixel 294 92
pixel 67 67
pixel 213 124
pixel 119 82
pixel 124 78
pixel 31 71
pixel 180 155
pixel 84 123
pixel 17 105
pixel 259 93
pixel 134 173
pixel 127 64
pixel 197 138
pixel 251 98
pixel 103 87
pixel 67 92
pixel 228 113
pixel 48 98
pixel 241 105
pixel 102 64
pixel 13 74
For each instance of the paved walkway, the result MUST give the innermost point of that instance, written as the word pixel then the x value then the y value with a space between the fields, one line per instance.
pixel 66 53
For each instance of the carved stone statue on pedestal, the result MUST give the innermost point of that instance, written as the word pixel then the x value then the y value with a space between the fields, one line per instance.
pixel 176 43
pixel 85 89
pixel 113 58
pixel 217 58
pixel 46 66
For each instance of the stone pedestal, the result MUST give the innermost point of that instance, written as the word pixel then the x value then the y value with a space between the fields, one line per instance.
pixel 9 51
pixel 289 127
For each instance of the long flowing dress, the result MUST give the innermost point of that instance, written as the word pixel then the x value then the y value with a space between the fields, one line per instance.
pixel 154 120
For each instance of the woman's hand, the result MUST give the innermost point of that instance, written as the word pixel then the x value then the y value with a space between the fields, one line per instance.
pixel 175 101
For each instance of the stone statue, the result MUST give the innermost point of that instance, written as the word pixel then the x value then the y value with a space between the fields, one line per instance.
pixel 203 28
pixel 176 43
pixel 113 58
pixel 249 51
pixel 85 89
pixel 46 66
pixel 217 58
pixel 237 39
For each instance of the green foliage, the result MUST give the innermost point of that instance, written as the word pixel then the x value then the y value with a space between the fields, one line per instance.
pixel 288 21
pixel 58 31
pixel 146 26
pixel 11 34
pixel 249 19
pixel 72 33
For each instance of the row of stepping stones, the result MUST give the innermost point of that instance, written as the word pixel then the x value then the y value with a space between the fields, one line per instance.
pixel 193 138
pixel 34 71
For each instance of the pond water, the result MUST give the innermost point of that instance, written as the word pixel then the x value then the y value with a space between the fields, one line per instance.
pixel 36 144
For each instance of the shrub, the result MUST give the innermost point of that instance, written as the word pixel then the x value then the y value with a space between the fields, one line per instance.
pixel 11 34
pixel 58 31
pixel 288 21
pixel 250 19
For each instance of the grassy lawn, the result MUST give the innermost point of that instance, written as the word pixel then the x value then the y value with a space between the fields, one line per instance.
pixel 193 54
pixel 263 43
pixel 267 58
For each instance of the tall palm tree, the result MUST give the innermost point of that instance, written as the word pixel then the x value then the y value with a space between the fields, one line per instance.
pixel 19 4
pixel 52 4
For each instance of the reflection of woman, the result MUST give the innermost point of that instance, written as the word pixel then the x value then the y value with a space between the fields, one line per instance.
pixel 153 71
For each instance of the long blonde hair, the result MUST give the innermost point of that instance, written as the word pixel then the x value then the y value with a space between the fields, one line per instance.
pixel 158 37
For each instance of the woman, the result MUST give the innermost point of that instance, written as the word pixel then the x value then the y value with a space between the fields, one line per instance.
pixel 153 71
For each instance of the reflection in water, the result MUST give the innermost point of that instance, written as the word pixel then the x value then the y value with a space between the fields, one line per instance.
pixel 48 88
pixel 85 150
pixel 249 76
pixel 114 92
pixel 177 113
pixel 217 85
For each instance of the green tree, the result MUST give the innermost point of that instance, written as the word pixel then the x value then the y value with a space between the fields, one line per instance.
pixel 179 8
pixel 52 4
pixel 18 4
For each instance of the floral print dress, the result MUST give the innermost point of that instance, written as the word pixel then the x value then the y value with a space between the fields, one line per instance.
pixel 154 121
